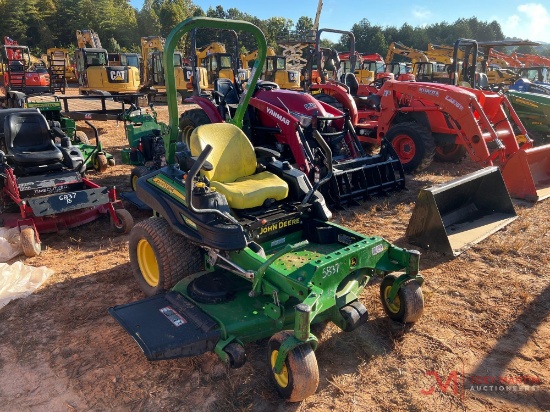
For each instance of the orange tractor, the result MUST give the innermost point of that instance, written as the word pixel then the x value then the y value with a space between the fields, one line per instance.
pixel 20 78
pixel 427 120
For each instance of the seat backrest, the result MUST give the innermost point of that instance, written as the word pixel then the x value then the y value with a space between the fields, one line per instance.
pixel 227 89
pixel 232 155
pixel 352 83
pixel 27 131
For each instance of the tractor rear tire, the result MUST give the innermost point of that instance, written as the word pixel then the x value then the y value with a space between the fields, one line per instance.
pixel 30 246
pixel 81 137
pixel 159 257
pixel 126 221
pixel 300 375
pixel 136 173
pixel 450 154
pixel 414 145
pixel 189 121
pixel 408 305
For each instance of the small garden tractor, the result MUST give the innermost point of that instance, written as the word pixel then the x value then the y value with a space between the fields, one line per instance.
pixel 42 184
pixel 243 250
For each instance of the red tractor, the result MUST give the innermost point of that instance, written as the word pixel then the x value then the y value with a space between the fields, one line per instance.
pixel 288 122
pixel 19 75
pixel 427 120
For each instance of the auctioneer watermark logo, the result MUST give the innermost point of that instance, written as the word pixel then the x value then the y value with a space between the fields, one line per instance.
pixel 459 383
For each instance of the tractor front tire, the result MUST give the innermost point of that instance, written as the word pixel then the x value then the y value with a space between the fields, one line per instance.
pixel 300 375
pixel 408 305
pixel 453 153
pixel 30 246
pixel 159 257
pixel 414 145
pixel 189 121
pixel 126 221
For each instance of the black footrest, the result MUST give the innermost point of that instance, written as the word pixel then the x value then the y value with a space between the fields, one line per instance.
pixel 168 326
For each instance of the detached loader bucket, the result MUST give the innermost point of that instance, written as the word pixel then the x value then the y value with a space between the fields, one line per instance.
pixel 527 174
pixel 453 216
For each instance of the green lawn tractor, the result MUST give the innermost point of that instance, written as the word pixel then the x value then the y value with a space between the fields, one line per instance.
pixel 534 111
pixel 95 157
pixel 242 249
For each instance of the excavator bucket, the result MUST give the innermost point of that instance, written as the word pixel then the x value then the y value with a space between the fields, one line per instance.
pixel 527 174
pixel 453 216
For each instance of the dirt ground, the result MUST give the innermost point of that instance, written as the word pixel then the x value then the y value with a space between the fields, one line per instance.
pixel 483 343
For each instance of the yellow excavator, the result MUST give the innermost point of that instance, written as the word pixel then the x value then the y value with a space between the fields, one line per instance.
pixel 424 69
pixel 94 73
pixel 275 69
pixel 154 83
pixel 217 62
pixel 57 59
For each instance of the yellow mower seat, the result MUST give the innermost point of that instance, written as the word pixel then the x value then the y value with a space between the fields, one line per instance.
pixel 234 166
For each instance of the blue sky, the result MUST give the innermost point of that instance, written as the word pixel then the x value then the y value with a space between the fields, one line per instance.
pixel 522 19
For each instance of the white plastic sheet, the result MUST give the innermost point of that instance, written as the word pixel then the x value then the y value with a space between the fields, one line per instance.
pixel 10 246
pixel 18 280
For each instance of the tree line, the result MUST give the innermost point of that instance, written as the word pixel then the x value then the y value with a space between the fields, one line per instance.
pixel 41 24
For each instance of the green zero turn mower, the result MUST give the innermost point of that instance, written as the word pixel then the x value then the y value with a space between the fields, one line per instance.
pixel 242 249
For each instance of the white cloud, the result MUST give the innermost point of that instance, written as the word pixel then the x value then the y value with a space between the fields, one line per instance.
pixel 421 12
pixel 531 22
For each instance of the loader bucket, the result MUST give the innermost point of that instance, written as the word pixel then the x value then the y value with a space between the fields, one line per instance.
pixel 527 174
pixel 453 216
pixel 360 178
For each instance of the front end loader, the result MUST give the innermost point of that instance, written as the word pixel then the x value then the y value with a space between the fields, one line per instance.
pixel 242 249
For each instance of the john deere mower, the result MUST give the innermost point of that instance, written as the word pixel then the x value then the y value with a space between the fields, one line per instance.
pixel 242 249
pixel 42 184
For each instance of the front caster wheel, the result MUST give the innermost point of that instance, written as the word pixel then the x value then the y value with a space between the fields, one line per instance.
pixel 300 374
pixel 29 244
pixel 126 221
pixel 408 305
pixel 236 354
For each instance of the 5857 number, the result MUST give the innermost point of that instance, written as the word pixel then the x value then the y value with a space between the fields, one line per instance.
pixel 331 270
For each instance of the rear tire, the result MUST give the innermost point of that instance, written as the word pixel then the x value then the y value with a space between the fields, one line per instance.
pixel 159 257
pixel 414 145
pixel 136 173
pixel 30 246
pixel 81 137
pixel 100 163
pixel 189 121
